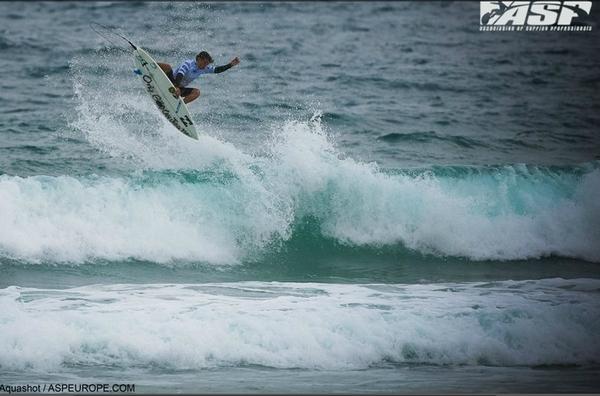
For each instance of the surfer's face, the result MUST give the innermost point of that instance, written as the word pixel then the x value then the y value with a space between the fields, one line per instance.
pixel 201 63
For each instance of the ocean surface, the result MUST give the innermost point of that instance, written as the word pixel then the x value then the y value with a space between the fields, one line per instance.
pixel 383 199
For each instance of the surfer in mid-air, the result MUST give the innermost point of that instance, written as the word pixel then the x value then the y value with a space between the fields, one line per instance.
pixel 191 69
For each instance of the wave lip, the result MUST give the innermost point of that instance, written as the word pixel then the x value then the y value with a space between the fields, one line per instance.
pixel 301 325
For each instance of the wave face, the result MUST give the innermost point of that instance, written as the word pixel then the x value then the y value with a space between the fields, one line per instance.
pixel 287 325
pixel 240 205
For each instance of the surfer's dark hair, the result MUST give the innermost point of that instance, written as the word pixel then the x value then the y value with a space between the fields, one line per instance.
pixel 205 55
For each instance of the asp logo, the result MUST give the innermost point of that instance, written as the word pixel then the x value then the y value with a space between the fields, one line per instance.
pixel 534 15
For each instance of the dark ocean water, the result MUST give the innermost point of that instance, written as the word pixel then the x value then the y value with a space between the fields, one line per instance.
pixel 382 199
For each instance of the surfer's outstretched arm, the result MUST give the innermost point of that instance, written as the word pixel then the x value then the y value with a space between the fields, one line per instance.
pixel 221 69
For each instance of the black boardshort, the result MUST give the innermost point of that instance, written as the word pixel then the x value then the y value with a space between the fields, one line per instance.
pixel 184 91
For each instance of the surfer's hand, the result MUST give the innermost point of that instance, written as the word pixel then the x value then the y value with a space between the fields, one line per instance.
pixel 177 92
pixel 235 61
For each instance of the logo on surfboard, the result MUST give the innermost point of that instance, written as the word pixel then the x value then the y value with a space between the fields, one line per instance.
pixel 172 91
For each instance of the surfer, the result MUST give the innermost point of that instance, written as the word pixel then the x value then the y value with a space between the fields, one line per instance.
pixel 191 69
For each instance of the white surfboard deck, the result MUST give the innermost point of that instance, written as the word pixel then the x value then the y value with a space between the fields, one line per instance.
pixel 162 92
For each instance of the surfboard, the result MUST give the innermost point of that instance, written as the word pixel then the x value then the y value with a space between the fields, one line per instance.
pixel 162 92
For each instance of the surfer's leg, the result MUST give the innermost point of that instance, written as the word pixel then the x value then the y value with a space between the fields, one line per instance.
pixel 168 71
pixel 166 68
pixel 191 96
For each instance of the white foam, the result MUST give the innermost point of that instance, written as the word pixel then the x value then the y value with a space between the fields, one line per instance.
pixel 286 325
pixel 68 219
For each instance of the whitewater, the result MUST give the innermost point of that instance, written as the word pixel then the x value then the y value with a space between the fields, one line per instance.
pixel 239 205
